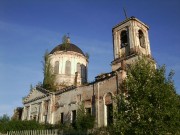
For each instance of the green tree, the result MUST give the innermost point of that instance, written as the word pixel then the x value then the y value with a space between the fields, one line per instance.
pixel 65 42
pixel 84 120
pixel 5 118
pixel 148 103
pixel 87 55
pixel 49 77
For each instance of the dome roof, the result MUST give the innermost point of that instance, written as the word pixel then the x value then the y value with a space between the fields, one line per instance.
pixel 67 47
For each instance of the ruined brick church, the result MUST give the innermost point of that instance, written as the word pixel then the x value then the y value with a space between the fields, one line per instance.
pixel 70 65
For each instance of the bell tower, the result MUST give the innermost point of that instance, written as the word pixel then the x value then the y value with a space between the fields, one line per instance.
pixel 130 39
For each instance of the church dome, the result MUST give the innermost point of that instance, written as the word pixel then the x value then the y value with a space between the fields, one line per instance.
pixel 69 64
pixel 67 47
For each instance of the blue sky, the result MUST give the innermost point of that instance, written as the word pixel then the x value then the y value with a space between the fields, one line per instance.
pixel 29 27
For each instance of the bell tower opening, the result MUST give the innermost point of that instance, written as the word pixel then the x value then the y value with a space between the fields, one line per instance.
pixel 124 38
pixel 141 38
pixel 130 40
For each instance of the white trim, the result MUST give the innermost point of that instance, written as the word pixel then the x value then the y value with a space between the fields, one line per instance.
pixel 105 107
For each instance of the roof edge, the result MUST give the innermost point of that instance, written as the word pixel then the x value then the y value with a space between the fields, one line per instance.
pixel 128 19
pixel 70 47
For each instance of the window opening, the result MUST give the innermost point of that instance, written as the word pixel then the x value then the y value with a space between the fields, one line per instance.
pixel 124 38
pixel 68 68
pixel 141 38
pixel 56 67
pixel 79 68
pixel 109 114
pixel 62 118
pixel 88 111
pixel 73 116
pixel 83 72
pixel 34 117
pixel 45 119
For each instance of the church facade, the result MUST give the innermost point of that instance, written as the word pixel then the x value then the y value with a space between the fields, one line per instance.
pixel 70 65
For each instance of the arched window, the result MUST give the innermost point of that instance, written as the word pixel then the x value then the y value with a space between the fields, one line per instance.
pixel 68 68
pixel 83 72
pixel 124 38
pixel 56 67
pixel 141 38
pixel 79 68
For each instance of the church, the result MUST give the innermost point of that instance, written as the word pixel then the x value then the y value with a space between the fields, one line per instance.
pixel 70 68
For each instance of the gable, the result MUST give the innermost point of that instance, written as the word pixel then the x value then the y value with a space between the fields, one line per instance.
pixel 34 94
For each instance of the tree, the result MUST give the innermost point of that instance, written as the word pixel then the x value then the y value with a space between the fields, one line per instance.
pixel 84 120
pixel 148 103
pixel 65 42
pixel 49 77
pixel 5 118
pixel 87 55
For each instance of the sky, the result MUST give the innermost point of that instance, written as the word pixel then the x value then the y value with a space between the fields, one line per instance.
pixel 30 27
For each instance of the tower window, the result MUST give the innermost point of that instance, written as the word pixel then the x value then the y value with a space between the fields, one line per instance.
pixel 68 68
pixel 124 38
pixel 83 71
pixel 56 67
pixel 141 38
pixel 79 68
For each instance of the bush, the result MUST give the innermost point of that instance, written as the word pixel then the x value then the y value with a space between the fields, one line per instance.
pixel 16 125
pixel 84 120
